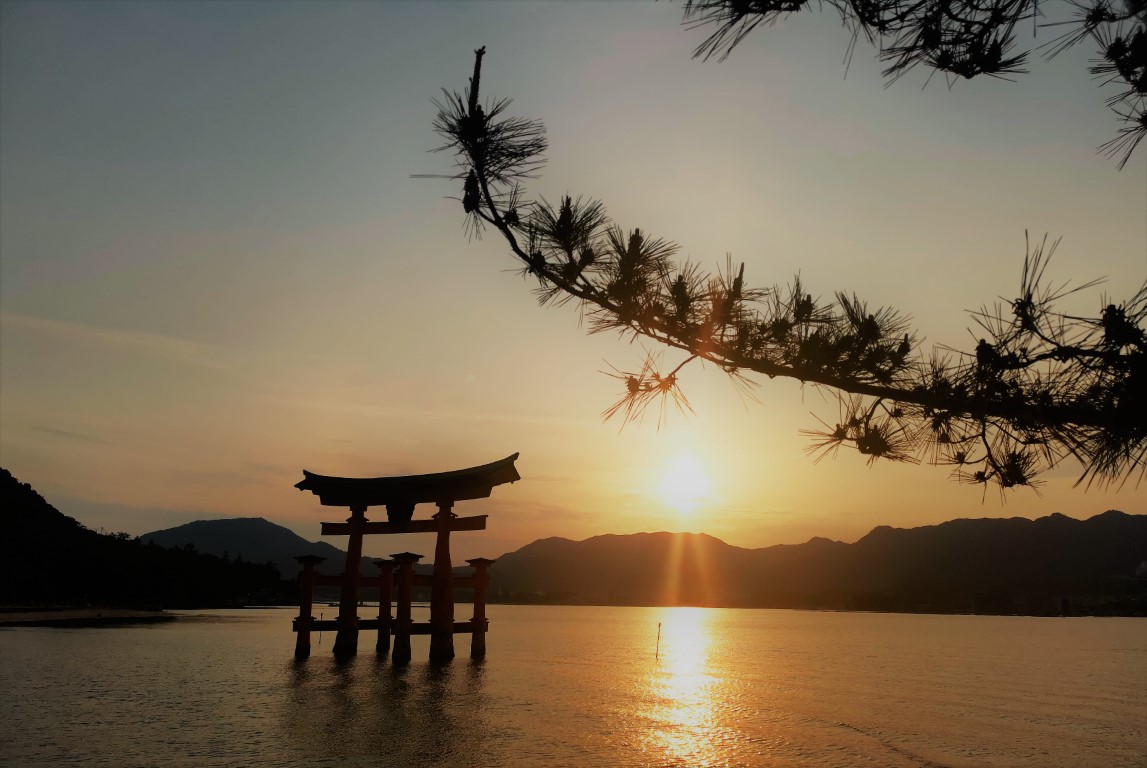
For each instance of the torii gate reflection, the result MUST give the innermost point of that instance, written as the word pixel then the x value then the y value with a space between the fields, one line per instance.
pixel 400 495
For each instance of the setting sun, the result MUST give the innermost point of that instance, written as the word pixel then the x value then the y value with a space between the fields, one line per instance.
pixel 685 483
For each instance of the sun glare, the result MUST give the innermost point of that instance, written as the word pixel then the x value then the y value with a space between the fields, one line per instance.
pixel 685 484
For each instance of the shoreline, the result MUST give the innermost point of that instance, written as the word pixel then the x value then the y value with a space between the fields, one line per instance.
pixel 82 617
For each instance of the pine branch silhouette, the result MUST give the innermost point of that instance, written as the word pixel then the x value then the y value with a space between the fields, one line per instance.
pixel 1040 385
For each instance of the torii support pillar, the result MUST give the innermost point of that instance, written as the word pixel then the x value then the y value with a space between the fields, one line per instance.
pixel 442 591
pixel 346 641
pixel 306 598
pixel 402 621
pixel 479 623
pixel 385 587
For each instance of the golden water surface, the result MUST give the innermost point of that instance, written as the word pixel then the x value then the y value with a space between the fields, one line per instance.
pixel 588 686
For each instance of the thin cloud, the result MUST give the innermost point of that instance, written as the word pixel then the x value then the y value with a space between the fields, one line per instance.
pixel 550 478
pixel 263 468
pixel 152 344
pixel 69 435
pixel 432 414
pixel 245 365
pixel 218 478
pixel 538 513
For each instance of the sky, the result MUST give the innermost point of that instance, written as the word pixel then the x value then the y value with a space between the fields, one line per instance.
pixel 217 267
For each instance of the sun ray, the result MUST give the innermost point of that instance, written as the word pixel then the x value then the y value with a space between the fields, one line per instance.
pixel 672 594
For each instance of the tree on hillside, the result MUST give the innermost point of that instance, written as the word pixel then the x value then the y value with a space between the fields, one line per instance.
pixel 965 39
pixel 1039 386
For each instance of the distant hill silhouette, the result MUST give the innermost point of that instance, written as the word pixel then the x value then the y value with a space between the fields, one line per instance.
pixel 1052 565
pixel 253 539
pixel 54 560
pixel 259 540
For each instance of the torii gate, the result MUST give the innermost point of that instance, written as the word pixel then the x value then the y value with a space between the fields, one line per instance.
pixel 400 495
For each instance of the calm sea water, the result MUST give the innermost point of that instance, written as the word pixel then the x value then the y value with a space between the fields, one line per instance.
pixel 584 686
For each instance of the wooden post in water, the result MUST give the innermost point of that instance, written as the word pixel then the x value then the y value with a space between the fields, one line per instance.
pixel 402 621
pixel 346 641
pixel 385 587
pixel 442 591
pixel 479 624
pixel 306 599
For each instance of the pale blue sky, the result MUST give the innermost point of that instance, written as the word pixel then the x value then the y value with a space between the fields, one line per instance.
pixel 216 269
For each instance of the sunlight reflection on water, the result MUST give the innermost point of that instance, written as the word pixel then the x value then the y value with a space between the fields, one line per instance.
pixel 587 686
pixel 682 690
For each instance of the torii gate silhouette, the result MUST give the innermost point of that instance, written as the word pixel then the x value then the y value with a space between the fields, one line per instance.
pixel 400 495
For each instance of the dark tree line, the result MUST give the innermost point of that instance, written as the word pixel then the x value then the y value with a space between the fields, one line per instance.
pixel 54 560
pixel 966 39
pixel 1039 387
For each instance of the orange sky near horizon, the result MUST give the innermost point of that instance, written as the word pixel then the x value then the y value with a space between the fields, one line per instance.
pixel 217 270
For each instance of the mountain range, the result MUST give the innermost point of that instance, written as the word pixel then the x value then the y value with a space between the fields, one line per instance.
pixel 256 540
pixel 1052 565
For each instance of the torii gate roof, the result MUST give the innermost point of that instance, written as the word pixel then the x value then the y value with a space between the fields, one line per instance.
pixel 457 485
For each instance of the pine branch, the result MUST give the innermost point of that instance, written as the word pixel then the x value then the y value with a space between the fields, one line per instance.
pixel 1039 387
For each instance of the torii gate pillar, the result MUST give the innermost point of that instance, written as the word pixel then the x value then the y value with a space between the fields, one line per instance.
pixel 346 641
pixel 306 594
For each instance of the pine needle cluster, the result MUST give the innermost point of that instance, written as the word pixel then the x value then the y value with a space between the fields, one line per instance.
pixel 964 39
